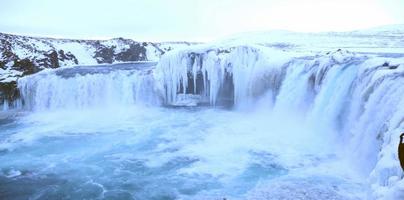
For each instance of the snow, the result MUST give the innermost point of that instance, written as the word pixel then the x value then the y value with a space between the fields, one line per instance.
pixel 9 75
pixel 21 53
pixel 82 52
pixel 118 43
pixel 152 53
pixel 166 46
pixel 377 40
pixel 44 46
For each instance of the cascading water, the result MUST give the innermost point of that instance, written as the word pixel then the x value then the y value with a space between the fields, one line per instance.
pixel 313 127
pixel 357 100
pixel 85 87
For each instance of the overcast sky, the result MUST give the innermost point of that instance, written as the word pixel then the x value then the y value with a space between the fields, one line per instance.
pixel 196 20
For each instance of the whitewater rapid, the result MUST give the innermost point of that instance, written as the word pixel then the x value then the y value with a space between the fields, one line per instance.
pixel 273 124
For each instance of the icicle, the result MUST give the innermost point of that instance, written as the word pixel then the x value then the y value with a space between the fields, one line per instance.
pixel 5 105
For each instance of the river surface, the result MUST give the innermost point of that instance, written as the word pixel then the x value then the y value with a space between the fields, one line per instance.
pixel 165 153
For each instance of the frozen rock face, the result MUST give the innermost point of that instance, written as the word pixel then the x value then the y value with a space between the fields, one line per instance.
pixel 23 55
pixel 359 96
pixel 8 94
pixel 220 76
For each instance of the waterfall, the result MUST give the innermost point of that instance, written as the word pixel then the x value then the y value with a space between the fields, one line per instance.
pixel 356 99
pixel 79 88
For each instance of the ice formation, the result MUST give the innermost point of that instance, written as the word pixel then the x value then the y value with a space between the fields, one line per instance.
pixel 359 96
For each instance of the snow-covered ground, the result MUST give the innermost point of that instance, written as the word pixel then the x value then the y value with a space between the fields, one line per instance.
pixel 385 39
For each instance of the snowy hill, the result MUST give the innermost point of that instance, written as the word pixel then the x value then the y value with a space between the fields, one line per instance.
pixel 22 55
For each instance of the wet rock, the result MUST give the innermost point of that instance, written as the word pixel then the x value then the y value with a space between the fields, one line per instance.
pixel 105 54
pixel 67 56
pixel 26 66
pixel 135 52
pixel 8 91
pixel 389 66
pixel 50 60
pixel 6 53
pixel 53 58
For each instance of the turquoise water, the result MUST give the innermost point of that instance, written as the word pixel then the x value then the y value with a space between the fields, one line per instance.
pixel 161 153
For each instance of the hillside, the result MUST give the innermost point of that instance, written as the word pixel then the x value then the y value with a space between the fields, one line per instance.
pixel 23 55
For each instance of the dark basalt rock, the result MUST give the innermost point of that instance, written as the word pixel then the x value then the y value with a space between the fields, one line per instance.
pixel 68 56
pixel 26 66
pixel 6 52
pixel 135 52
pixel 387 65
pixel 8 91
pixel 51 60
pixel 104 54
pixel 393 66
